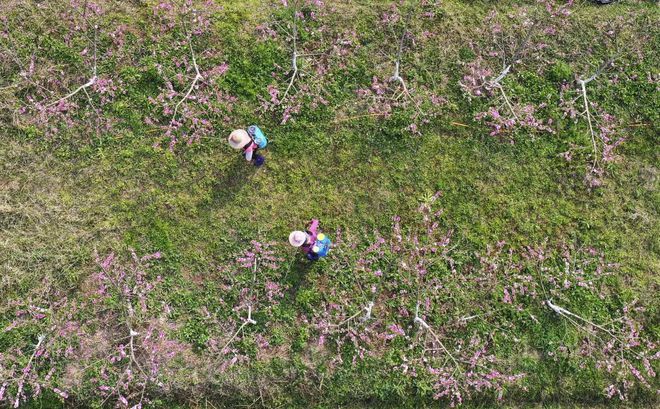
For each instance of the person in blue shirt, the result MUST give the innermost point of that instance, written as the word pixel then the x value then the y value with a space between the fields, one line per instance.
pixel 320 248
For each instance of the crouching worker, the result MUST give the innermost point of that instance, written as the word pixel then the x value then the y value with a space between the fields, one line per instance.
pixel 314 244
pixel 249 142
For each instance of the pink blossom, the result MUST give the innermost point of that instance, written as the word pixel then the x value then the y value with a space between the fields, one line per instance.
pixel 507 297
pixel 396 329
pixel 274 94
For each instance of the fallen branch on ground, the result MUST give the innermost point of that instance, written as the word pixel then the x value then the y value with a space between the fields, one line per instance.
pixel 88 84
pixel 132 334
pixel 367 315
pixel 198 76
pixel 583 88
pixel 567 314
pixel 294 57
pixel 249 320
pixel 424 325
pixel 396 75
pixel 496 83
pixel 26 370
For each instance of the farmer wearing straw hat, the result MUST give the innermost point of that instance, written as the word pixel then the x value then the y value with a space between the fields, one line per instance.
pixel 315 245
pixel 249 142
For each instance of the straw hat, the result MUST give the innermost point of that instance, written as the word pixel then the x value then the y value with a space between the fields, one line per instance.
pixel 238 138
pixel 297 238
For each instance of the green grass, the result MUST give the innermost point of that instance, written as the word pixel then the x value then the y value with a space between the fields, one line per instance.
pixel 63 200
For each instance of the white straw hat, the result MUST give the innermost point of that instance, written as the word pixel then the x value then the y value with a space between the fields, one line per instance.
pixel 297 238
pixel 238 138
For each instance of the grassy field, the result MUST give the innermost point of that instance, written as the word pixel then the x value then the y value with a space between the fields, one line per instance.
pixel 524 216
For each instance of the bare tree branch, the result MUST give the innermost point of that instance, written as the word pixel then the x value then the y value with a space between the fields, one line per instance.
pixel 367 315
pixel 569 315
pixel 294 57
pixel 583 89
pixel 27 369
pixel 198 75
pixel 249 320
pixel 501 75
pixel 132 335
pixel 564 312
pixel 396 76
pixel 583 86
pixel 89 83
pixel 506 100
pixel 419 321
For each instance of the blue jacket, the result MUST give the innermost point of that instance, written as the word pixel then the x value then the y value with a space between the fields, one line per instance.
pixel 323 249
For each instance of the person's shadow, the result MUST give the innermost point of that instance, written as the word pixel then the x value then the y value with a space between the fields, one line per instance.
pixel 231 180
pixel 296 274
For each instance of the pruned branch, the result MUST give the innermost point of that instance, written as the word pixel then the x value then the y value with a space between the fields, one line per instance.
pixel 424 325
pixel 501 75
pixel 367 311
pixel 367 315
pixel 89 83
pixel 249 320
pixel 396 76
pixel 132 335
pixel 583 86
pixel 585 100
pixel 294 57
pixel 27 369
pixel 604 66
pixel 471 317
pixel 198 76
pixel 507 66
pixel 496 83
pixel 397 64
pixel 563 312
